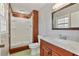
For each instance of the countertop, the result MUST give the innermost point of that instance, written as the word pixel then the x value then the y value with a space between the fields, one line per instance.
pixel 68 45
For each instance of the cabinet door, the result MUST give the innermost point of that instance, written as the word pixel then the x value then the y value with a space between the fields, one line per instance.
pixel 54 53
pixel 44 50
pixel 60 51
pixel 47 51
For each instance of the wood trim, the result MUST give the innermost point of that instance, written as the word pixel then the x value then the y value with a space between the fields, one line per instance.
pixel 35 26
pixel 18 49
pixel 21 15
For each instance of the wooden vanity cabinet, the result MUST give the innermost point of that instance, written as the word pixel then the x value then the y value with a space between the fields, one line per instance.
pixel 47 49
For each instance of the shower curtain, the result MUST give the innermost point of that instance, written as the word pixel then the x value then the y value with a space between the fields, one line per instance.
pixel 21 31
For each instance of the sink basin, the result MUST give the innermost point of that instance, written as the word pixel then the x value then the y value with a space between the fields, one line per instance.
pixel 60 40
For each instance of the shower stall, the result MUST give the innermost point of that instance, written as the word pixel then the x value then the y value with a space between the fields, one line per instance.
pixel 21 31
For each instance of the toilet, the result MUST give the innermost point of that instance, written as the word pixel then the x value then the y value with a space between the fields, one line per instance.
pixel 35 48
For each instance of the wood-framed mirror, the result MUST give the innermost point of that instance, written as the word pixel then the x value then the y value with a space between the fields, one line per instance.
pixel 66 17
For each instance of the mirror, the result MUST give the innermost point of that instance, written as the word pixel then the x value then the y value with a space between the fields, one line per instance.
pixel 66 18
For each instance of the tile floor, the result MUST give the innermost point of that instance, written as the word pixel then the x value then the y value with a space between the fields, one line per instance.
pixel 24 53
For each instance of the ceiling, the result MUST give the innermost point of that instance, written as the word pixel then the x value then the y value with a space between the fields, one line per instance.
pixel 27 7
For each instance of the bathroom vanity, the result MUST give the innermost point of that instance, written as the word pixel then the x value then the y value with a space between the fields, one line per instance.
pixel 57 47
pixel 48 49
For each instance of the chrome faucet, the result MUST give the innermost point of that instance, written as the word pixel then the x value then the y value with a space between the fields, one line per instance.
pixel 62 36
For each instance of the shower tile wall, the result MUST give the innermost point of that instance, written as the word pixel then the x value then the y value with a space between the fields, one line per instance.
pixel 21 31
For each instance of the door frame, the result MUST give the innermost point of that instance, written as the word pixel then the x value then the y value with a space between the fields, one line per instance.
pixel 9 24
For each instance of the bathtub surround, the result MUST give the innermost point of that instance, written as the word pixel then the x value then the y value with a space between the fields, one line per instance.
pixel 30 24
pixel 21 32
pixel 20 39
